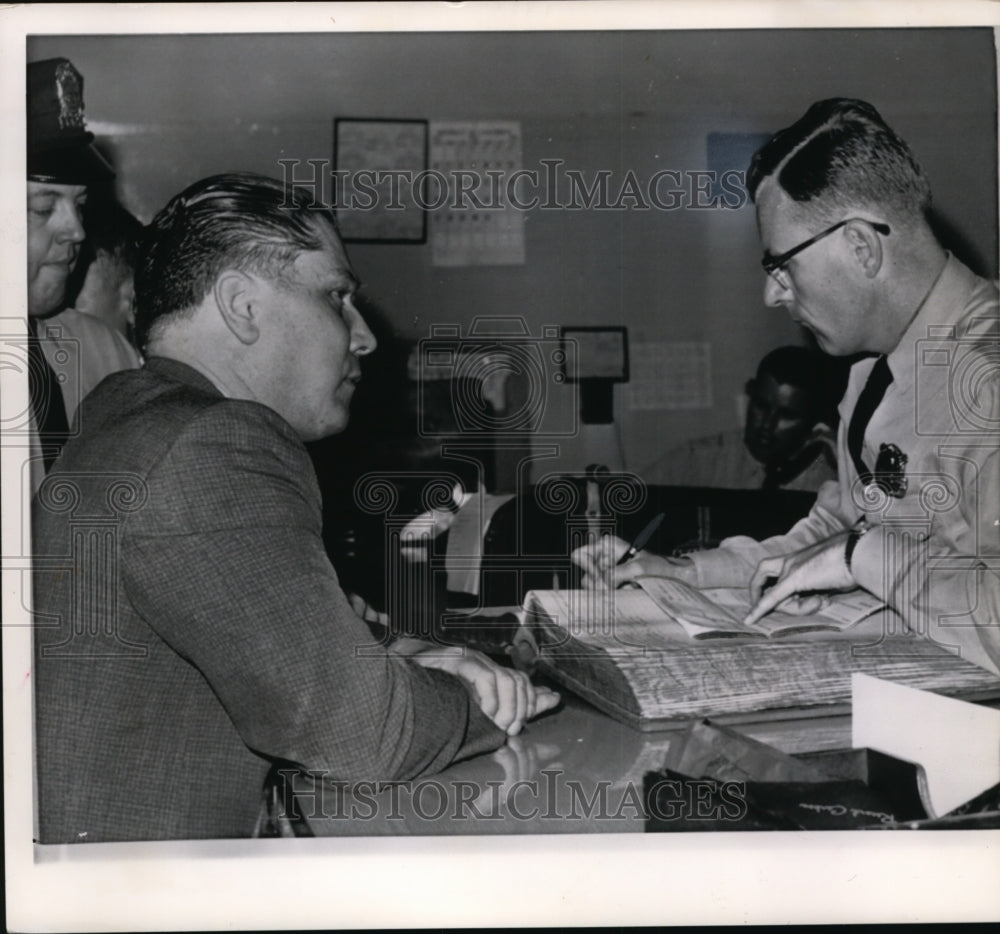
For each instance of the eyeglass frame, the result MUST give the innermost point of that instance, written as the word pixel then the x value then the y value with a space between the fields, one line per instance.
pixel 773 265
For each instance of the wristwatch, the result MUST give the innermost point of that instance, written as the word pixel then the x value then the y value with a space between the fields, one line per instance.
pixel 853 537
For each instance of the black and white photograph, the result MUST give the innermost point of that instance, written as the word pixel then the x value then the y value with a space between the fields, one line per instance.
pixel 500 464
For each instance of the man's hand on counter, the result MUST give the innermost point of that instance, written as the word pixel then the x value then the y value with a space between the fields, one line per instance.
pixel 601 569
pixel 505 695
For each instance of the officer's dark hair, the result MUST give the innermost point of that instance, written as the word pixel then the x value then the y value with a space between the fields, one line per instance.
pixel 840 156
pixel 235 221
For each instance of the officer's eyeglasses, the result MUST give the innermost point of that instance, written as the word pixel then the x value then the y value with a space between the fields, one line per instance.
pixel 774 266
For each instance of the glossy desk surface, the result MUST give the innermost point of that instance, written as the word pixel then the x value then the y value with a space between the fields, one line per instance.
pixel 574 770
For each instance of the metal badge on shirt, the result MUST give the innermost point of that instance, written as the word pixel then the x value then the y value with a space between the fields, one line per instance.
pixel 890 470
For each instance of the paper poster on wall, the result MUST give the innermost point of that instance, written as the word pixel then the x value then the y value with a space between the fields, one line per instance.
pixel 473 223
pixel 670 375
pixel 380 159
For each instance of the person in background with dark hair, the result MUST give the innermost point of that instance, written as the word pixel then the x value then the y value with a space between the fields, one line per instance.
pixel 914 517
pixel 68 353
pixel 785 442
pixel 103 283
pixel 218 649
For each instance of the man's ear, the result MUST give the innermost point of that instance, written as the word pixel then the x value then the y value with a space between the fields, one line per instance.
pixel 867 247
pixel 236 297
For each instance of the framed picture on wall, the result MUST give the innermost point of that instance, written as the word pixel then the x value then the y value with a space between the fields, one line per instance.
pixel 379 168
pixel 595 353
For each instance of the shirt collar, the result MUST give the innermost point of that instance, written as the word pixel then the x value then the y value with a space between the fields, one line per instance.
pixel 943 305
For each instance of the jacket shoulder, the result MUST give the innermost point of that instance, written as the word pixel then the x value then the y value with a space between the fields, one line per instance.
pixel 137 418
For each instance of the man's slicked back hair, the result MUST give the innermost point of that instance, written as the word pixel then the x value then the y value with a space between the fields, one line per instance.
pixel 235 221
pixel 840 156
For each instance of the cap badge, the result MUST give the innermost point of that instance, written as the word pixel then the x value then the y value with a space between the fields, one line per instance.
pixel 70 92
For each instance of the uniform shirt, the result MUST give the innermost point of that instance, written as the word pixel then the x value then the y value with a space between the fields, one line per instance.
pixel 933 551
pixel 82 350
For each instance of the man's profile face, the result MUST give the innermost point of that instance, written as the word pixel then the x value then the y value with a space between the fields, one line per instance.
pixel 313 337
pixel 55 232
pixel 778 421
pixel 823 295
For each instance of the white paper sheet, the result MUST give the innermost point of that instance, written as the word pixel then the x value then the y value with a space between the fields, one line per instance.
pixel 956 743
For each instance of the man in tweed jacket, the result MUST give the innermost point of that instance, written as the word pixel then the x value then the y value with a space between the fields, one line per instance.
pixel 190 631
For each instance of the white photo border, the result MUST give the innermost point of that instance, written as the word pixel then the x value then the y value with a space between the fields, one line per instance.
pixel 446 882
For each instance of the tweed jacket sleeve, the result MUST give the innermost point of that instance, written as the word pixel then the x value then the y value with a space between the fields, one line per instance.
pixel 234 513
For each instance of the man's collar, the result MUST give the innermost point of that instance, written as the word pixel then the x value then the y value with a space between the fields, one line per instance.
pixel 179 372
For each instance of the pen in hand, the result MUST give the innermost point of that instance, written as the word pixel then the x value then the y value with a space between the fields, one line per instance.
pixel 639 542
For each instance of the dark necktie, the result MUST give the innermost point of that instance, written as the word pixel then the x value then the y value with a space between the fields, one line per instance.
pixel 46 398
pixel 868 402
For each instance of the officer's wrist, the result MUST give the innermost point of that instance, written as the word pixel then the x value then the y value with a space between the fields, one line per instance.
pixel 853 537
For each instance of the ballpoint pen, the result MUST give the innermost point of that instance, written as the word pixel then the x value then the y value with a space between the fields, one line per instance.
pixel 639 542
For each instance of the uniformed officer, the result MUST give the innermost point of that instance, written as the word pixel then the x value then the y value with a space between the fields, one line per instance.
pixel 68 353
pixel 914 516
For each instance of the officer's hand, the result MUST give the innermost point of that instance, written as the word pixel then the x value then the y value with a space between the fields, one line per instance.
pixel 820 567
pixel 601 571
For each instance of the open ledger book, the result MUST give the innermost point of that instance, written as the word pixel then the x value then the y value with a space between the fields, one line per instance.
pixel 664 652
pixel 719 613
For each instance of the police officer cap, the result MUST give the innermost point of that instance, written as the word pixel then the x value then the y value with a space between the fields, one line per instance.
pixel 59 144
